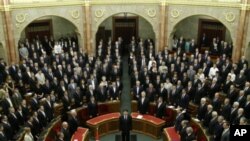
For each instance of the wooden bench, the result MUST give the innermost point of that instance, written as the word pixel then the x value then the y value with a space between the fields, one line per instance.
pixel 170 134
pixel 81 134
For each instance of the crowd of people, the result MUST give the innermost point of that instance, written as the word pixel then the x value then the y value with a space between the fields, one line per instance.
pixel 219 87
pixel 69 76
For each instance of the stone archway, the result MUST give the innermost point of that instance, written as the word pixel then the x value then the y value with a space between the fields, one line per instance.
pixel 191 23
pixel 228 17
pixel 100 13
pixel 21 18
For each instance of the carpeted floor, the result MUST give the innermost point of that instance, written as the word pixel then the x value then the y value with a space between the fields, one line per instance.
pixel 119 138
pixel 135 137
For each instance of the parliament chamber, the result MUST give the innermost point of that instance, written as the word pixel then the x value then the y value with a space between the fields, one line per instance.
pixel 123 70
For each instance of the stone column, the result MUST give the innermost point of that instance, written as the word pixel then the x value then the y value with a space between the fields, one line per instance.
pixel 241 33
pixel 162 26
pixel 88 28
pixel 9 38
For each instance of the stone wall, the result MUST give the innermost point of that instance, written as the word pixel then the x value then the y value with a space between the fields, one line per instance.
pixel 144 28
pixel 228 16
pixel 3 52
pixel 22 17
pixel 101 12
pixel 189 28
pixel 58 26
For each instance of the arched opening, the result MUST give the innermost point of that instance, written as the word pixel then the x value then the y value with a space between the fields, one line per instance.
pixel 49 29
pixel 124 25
pixel 207 33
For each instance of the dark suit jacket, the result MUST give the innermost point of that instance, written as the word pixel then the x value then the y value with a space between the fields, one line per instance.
pixel 3 137
pixel 225 136
pixel 13 120
pixel 49 110
pixel 216 105
pixel 137 95
pixel 160 111
pixel 8 131
pixel 247 110
pixel 143 107
pixel 226 111
pixel 125 124
pixel 184 102
pixel 207 118
pixel 191 137
pixel 202 112
pixel 92 109
pixel 73 124
pixel 66 134
pixel 218 131
pixel 42 118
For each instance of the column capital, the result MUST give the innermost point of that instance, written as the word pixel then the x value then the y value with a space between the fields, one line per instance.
pixel 86 3
pixel 6 7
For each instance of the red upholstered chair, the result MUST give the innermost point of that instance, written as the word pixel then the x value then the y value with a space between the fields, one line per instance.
pixel 170 116
pixel 102 109
pixel 49 139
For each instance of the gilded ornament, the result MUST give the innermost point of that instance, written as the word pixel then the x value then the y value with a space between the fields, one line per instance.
pixel 20 18
pixel 75 14
pixel 230 17
pixel 151 12
pixel 99 13
pixel 175 13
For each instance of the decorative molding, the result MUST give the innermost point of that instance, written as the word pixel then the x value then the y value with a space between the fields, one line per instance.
pixel 175 13
pixel 20 18
pixel 75 14
pixel 99 13
pixel 230 17
pixel 151 12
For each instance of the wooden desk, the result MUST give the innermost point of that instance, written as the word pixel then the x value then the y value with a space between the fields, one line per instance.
pixel 82 134
pixel 169 134
pixel 148 124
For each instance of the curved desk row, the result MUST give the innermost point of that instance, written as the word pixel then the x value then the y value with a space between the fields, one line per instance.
pixel 82 134
pixel 170 134
pixel 108 123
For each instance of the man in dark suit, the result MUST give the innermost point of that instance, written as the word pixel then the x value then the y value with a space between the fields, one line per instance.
pixel 2 135
pixel 247 108
pixel 190 134
pixel 184 100
pixel 225 136
pixel 143 104
pixel 125 125
pixel 8 131
pixel 227 84
pixel 183 133
pixel 65 131
pixel 92 108
pixel 49 108
pixel 137 91
pixel 42 117
pixel 216 102
pixel 208 115
pixel 12 118
pixel 202 109
pixel 160 109
pixel 101 93
pixel 73 122
pixel 114 92
pixel 226 109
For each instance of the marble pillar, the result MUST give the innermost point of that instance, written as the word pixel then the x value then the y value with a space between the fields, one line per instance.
pixel 88 28
pixel 9 38
pixel 241 33
pixel 162 26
